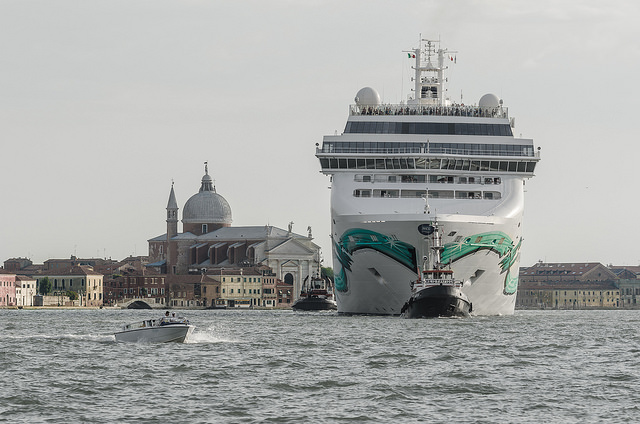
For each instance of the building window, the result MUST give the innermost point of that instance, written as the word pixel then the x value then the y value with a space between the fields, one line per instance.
pixel 204 229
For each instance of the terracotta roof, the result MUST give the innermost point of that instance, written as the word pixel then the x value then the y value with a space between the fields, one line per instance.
pixel 76 270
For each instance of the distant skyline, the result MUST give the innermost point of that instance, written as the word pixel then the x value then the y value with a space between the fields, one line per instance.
pixel 103 104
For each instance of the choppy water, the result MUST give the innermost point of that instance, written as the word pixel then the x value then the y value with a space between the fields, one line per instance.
pixel 286 367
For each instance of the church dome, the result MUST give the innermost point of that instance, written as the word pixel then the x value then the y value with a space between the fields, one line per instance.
pixel 206 206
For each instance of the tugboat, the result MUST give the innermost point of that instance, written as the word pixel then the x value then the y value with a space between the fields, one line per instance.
pixel 436 293
pixel 316 295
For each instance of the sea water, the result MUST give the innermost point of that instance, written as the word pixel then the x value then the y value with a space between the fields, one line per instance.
pixel 64 366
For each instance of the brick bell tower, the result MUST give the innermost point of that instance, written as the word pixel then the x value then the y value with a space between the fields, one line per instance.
pixel 172 230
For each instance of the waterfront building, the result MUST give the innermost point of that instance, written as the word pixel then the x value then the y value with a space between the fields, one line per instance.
pixel 629 284
pixel 569 295
pixel 209 243
pixel 123 288
pixel 7 288
pixel 56 265
pixel 241 291
pixel 81 279
pixel 25 290
pixel 568 286
pixel 629 292
pixel 16 264
pixel 275 292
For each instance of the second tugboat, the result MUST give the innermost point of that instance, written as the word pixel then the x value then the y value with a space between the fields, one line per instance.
pixel 435 293
pixel 316 295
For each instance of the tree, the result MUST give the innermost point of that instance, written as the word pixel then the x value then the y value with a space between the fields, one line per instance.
pixel 45 286
pixel 328 272
pixel 71 295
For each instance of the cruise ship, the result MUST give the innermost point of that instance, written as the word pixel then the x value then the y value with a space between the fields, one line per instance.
pixel 398 168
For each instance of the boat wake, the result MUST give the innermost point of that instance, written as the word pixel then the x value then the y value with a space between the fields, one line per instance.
pixel 209 335
pixel 102 338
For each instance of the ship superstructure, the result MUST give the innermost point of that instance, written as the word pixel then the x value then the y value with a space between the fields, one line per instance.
pixel 397 165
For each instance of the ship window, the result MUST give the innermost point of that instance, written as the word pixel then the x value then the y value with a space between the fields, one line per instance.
pixel 488 195
pixel 513 166
pixel 475 165
pixel 386 193
pixel 366 178
pixel 531 166
pixel 421 163
pixel 392 178
pixel 413 193
pixel 441 194
pixel 522 166
pixel 351 163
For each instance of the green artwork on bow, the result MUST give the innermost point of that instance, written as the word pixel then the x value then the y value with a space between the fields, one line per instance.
pixel 495 241
pixel 358 238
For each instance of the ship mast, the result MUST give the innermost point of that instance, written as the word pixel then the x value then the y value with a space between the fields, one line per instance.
pixel 429 77
pixel 434 249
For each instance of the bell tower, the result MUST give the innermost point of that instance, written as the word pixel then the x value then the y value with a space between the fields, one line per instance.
pixel 172 215
pixel 172 231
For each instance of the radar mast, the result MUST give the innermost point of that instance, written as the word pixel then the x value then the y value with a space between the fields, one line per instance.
pixel 429 77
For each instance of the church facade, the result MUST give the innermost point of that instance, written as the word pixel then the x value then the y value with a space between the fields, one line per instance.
pixel 210 244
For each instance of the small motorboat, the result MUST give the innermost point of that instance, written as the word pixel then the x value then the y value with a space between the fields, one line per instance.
pixel 163 330
pixel 316 295
pixel 436 293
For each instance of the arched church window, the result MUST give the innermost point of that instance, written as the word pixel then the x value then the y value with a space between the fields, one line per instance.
pixel 288 278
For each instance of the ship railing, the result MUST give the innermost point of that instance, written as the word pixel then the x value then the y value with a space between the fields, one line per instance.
pixel 430 282
pixel 426 150
pixel 452 110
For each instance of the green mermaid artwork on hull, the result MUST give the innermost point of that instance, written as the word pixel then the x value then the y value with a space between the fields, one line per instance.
pixel 495 241
pixel 358 238
pixel 405 254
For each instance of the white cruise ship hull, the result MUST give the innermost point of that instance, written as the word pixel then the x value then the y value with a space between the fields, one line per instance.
pixel 378 283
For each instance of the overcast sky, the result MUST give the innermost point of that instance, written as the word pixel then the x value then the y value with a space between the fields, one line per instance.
pixel 104 103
